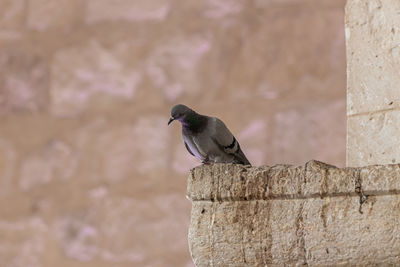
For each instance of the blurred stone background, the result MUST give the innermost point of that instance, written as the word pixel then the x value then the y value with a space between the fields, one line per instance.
pixel 90 174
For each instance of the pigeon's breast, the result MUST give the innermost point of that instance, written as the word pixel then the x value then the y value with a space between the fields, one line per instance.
pixel 193 145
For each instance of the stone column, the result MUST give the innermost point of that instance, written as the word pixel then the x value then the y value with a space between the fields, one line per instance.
pixel 373 82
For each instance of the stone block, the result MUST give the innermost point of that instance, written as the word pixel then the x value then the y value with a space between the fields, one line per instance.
pixel 222 232
pixel 78 237
pixel 317 29
pixel 381 178
pixel 373 95
pixel 12 15
pixel 265 182
pixel 61 15
pixel 322 179
pixel 143 10
pixel 126 222
pixel 22 242
pixel 372 139
pixel 8 163
pixel 373 51
pixel 307 129
pixel 336 233
pixel 173 65
pixel 24 81
pixel 54 161
pixel 315 214
pixel 115 151
pixel 144 143
pixel 82 73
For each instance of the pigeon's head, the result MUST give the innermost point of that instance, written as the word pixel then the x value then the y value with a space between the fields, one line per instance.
pixel 179 112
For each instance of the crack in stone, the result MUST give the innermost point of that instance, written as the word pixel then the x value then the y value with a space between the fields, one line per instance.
pixel 365 113
pixel 360 192
pixel 300 235
pixel 211 234
pixel 365 195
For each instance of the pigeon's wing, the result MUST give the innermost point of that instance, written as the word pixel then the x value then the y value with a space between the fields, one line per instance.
pixel 227 142
pixel 188 149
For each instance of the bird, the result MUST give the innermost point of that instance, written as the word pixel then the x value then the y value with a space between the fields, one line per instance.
pixel 207 138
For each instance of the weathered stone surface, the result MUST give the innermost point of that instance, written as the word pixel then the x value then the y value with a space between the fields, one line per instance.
pixel 55 160
pixel 24 81
pixel 256 138
pixel 121 235
pixel 237 182
pixel 47 14
pixel 22 241
pixel 293 128
pixel 372 138
pixel 323 179
pixel 82 73
pixel 7 166
pixel 106 10
pixel 373 55
pixel 109 150
pixel 384 177
pixel 182 53
pixel 11 14
pixel 314 214
pixel 373 80
pixel 335 233
pixel 78 237
pixel 239 233
pixel 267 78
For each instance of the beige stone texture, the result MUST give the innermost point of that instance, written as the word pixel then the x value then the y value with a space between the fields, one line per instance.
pixel 11 14
pixel 90 174
pixel 314 214
pixel 82 73
pixel 24 80
pixel 65 14
pixel 373 95
pixel 106 10
pixel 372 138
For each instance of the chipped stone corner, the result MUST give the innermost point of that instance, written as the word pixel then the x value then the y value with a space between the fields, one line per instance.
pixel 315 214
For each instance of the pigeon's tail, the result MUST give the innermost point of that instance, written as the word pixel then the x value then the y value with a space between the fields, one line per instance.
pixel 240 158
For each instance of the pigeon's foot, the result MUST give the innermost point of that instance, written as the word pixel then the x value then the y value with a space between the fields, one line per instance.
pixel 207 161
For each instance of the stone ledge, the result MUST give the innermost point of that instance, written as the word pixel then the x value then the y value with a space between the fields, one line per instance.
pixel 314 214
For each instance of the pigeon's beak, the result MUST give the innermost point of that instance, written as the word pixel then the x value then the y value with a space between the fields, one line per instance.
pixel 171 120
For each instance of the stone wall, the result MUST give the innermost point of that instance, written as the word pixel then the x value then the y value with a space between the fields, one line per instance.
pixel 373 94
pixel 90 175
pixel 314 215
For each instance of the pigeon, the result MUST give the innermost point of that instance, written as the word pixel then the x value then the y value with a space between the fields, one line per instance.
pixel 207 138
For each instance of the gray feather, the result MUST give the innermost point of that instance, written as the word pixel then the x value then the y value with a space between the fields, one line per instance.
pixel 215 143
pixel 228 143
pixel 188 149
pixel 208 138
